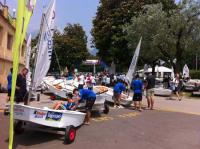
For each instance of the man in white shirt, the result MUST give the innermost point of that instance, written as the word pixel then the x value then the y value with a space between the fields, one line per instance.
pixel 81 81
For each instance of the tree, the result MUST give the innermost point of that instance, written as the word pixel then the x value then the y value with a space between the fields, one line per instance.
pixel 70 47
pixel 108 33
pixel 167 35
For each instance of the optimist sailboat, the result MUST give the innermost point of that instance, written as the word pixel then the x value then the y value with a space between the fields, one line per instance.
pixel 45 116
pixel 126 100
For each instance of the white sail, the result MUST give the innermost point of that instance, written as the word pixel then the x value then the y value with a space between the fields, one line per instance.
pixel 27 62
pixel 132 67
pixel 172 74
pixel 28 52
pixel 45 46
pixel 112 69
pixel 186 71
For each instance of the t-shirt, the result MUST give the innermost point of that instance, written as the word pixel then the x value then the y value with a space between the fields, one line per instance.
pixel 69 105
pixel 9 79
pixel 137 86
pixel 119 87
pixel 81 79
pixel 21 83
pixel 86 94
pixel 151 81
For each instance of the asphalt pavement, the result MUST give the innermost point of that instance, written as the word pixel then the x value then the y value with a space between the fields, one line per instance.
pixel 120 129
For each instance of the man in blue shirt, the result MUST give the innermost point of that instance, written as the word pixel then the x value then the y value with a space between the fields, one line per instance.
pixel 9 85
pixel 137 87
pixel 117 91
pixel 89 96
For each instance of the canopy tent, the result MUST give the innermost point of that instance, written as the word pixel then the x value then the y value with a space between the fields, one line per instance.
pixel 160 71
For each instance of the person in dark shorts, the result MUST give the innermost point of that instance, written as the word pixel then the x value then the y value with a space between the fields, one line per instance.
pixel 117 91
pixel 9 86
pixel 150 85
pixel 89 96
pixel 21 94
pixel 137 87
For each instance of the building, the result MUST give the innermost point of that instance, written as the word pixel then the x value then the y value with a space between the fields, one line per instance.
pixel 7 31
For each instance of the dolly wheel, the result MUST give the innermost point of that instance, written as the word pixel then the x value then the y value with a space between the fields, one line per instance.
pixel 18 127
pixel 70 134
pixel 106 109
pixel 53 97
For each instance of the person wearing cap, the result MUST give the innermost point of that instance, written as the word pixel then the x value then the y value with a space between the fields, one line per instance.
pixel 137 87
pixel 117 91
pixel 86 95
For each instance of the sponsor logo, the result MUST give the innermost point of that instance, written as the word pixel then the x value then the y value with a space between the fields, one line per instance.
pixel 54 116
pixel 19 111
pixel 39 114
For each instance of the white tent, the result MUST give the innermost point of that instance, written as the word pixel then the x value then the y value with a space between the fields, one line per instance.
pixel 160 71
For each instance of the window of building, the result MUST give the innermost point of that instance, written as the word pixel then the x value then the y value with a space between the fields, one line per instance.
pixel 9 41
pixel 1 35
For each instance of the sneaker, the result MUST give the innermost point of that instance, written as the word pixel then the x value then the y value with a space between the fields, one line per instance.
pixel 140 110
pixel 115 107
pixel 120 107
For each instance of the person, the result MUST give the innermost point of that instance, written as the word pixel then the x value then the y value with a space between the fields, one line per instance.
pixel 150 85
pixel 9 85
pixel 178 86
pixel 21 90
pixel 137 86
pixel 117 91
pixel 89 96
pixel 89 82
pixel 69 105
pixel 81 80
pixel 107 81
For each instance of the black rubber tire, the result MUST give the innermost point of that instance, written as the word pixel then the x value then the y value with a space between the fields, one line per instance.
pixel 70 134
pixel 18 127
pixel 106 108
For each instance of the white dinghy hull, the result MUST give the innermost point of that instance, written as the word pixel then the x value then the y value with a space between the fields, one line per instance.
pixel 48 117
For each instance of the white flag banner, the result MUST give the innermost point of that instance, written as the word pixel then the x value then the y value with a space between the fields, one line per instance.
pixel 28 52
pixel 132 67
pixel 172 74
pixel 186 71
pixel 112 69
pixel 27 62
pixel 45 46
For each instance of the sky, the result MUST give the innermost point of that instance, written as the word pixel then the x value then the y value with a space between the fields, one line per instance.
pixel 67 11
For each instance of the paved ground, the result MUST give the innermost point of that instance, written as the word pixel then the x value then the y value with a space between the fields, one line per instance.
pixel 124 128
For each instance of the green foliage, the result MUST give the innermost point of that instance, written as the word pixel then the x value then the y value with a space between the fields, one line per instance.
pixel 70 47
pixel 166 35
pixel 108 32
pixel 195 74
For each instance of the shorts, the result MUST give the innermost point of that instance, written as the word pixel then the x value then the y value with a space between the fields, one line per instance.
pixel 116 95
pixel 137 97
pixel 80 86
pixel 9 92
pixel 89 104
pixel 150 92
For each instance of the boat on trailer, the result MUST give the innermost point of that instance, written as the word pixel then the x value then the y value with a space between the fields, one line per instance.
pixel 64 120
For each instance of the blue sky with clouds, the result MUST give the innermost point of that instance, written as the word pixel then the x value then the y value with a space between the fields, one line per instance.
pixel 67 11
